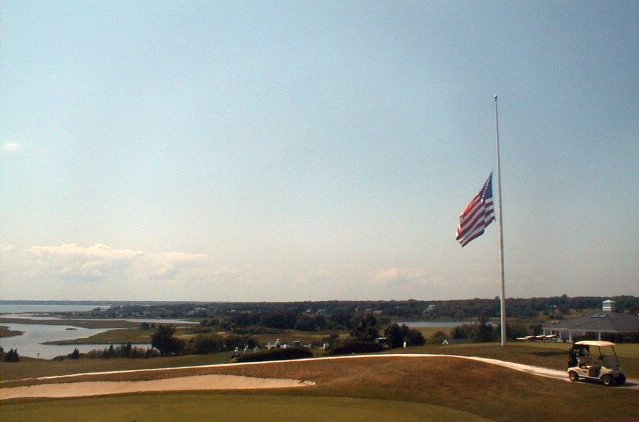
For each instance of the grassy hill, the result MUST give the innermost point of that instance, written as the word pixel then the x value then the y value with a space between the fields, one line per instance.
pixel 401 388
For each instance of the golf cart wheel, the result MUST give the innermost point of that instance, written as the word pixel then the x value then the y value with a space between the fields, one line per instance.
pixel 621 379
pixel 607 380
pixel 573 376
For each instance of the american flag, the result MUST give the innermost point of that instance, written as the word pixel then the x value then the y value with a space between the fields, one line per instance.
pixel 477 215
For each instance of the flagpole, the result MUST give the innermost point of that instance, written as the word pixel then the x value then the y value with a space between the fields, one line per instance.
pixel 502 298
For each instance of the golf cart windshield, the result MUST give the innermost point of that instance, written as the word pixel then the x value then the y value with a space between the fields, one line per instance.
pixel 609 357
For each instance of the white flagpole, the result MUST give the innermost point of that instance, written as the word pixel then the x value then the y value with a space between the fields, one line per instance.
pixel 502 298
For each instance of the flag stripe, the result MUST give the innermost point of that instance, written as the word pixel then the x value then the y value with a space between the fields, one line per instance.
pixel 477 216
pixel 481 221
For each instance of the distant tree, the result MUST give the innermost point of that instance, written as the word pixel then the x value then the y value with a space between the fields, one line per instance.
pixel 75 354
pixel 366 328
pixel 462 331
pixel 124 350
pixel 537 330
pixel 202 344
pixel 12 356
pixel 342 319
pixel 305 322
pixel 164 341
pixel 283 320
pixel 109 353
pixel 145 326
pixel 414 337
pixel 395 335
pixel 483 330
pixel 516 329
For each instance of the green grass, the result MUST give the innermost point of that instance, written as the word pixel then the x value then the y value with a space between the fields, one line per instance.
pixel 476 388
pixel 246 407
pixel 549 355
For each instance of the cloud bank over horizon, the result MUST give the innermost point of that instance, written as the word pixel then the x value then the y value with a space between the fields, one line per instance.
pixel 96 271
pixel 101 272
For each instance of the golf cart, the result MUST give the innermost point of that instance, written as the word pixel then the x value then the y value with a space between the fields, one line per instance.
pixel 595 360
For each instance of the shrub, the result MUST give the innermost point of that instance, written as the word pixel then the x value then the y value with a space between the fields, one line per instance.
pixel 438 337
pixel 276 354
pixel 415 338
pixel 462 331
pixel 356 347
pixel 120 351
pixel 484 331
pixel 165 342
pixel 516 329
pixel 12 356
pixel 203 344
pixel 234 340
pixel 398 335
pixel 481 331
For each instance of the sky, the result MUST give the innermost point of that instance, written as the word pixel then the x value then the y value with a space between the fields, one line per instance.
pixel 316 150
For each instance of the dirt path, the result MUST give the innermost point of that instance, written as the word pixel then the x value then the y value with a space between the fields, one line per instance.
pixel 231 382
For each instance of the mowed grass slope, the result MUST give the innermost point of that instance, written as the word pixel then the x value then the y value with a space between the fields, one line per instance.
pixel 548 355
pixel 480 389
pixel 247 407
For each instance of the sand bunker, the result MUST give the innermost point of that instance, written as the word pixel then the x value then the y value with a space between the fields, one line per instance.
pixel 200 382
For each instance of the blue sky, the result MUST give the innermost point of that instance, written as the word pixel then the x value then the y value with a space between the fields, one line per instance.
pixel 315 150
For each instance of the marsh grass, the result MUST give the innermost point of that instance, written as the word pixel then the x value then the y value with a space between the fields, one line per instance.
pixel 117 336
pixel 6 332
pixel 84 323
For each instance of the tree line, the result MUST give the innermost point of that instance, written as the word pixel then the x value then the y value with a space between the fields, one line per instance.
pixel 320 315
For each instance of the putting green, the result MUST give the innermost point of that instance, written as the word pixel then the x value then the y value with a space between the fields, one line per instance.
pixel 236 407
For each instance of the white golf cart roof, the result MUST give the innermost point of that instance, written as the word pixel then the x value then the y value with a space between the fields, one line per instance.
pixel 594 343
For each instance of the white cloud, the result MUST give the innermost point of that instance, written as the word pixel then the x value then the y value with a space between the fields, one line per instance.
pixel 7 248
pixel 167 265
pixel 400 276
pixel 101 262
pixel 12 147
pixel 96 251
pixel 75 262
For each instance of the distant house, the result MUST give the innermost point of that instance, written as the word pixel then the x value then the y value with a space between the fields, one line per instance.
pixel 605 322
pixel 429 309
pixel 383 341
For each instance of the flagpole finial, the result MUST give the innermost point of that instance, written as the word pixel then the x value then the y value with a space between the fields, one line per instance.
pixel 495 97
